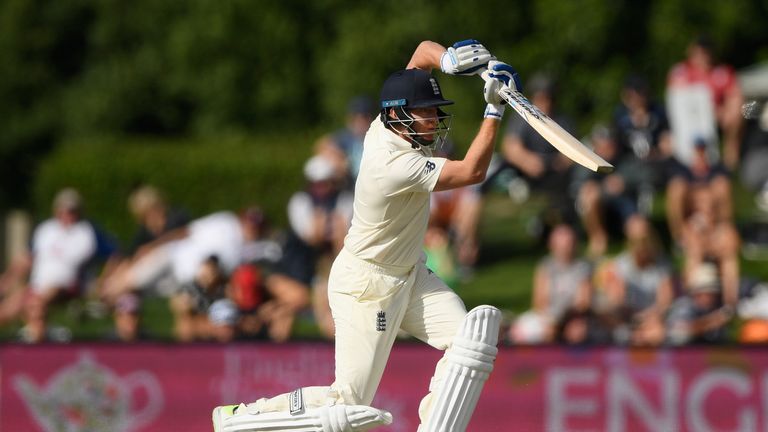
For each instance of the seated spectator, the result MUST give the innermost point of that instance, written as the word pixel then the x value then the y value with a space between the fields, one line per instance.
pixel 261 248
pixel 535 161
pixel 178 255
pixel 57 267
pixel 247 285
pixel 319 217
pixel 706 237
pixel 606 198
pixel 755 158
pixel 127 319
pixel 637 286
pixel 702 174
pixel 561 285
pixel 223 318
pixel 201 309
pixel 704 99
pixel 642 132
pixel 698 316
pixel 247 289
pixel 344 147
pixel 154 216
pixel 579 327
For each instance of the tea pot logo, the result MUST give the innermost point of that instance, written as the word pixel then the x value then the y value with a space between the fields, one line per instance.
pixel 86 396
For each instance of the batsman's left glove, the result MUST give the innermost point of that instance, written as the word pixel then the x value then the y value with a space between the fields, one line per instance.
pixel 467 57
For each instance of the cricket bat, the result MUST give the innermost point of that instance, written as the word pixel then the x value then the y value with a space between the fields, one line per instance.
pixel 560 139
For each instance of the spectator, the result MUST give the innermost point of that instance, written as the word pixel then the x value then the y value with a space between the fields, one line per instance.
pixel 534 159
pixel 755 158
pixel 698 316
pixel 178 254
pixel 638 286
pixel 344 147
pixel 154 216
pixel 642 132
pixel 707 237
pixel 57 267
pixel 248 292
pixel 603 198
pixel 561 285
pixel 579 327
pixel 701 175
pixel 223 318
pixel 704 96
pixel 261 247
pixel 127 319
pixel 201 309
pixel 319 217
pixel 247 284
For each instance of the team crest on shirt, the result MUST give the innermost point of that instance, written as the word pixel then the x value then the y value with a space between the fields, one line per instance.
pixel 429 167
pixel 381 321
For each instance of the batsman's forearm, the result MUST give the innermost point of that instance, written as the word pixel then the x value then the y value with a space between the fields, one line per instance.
pixel 481 150
pixel 427 56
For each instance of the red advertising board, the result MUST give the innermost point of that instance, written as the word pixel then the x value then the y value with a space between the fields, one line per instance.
pixel 155 387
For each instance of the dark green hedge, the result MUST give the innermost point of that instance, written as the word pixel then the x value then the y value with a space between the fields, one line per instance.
pixel 201 175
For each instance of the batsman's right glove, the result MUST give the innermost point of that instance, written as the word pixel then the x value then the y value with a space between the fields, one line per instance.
pixel 500 74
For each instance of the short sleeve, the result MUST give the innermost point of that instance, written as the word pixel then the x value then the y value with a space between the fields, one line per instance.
pixel 410 172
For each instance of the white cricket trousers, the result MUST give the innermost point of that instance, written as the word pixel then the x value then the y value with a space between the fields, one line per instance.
pixel 370 304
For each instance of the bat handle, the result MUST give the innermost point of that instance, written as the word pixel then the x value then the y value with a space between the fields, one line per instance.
pixel 483 73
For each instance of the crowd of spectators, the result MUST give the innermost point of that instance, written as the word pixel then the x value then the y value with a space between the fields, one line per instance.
pixel 688 285
pixel 609 275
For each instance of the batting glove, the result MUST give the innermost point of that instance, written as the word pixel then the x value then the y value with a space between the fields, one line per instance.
pixel 500 75
pixel 465 58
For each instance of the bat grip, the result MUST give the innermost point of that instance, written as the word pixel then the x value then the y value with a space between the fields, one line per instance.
pixel 483 73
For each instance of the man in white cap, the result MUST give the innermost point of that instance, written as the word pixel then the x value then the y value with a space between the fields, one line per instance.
pixel 319 216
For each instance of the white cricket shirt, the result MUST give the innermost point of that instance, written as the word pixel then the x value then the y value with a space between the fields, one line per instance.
pixel 391 208
pixel 60 252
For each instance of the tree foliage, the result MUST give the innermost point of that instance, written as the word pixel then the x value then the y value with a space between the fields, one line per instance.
pixel 206 67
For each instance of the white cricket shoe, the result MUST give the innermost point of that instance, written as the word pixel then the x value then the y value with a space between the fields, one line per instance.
pixel 221 413
pixel 335 418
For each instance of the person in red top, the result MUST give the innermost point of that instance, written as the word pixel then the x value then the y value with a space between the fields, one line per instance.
pixel 700 67
pixel 704 105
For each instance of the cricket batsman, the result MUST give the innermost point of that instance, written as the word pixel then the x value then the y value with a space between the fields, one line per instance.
pixel 379 282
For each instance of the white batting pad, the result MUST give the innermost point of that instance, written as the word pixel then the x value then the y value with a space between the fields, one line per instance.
pixel 469 363
pixel 336 418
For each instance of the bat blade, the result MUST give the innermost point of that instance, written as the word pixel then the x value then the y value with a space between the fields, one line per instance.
pixel 558 137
